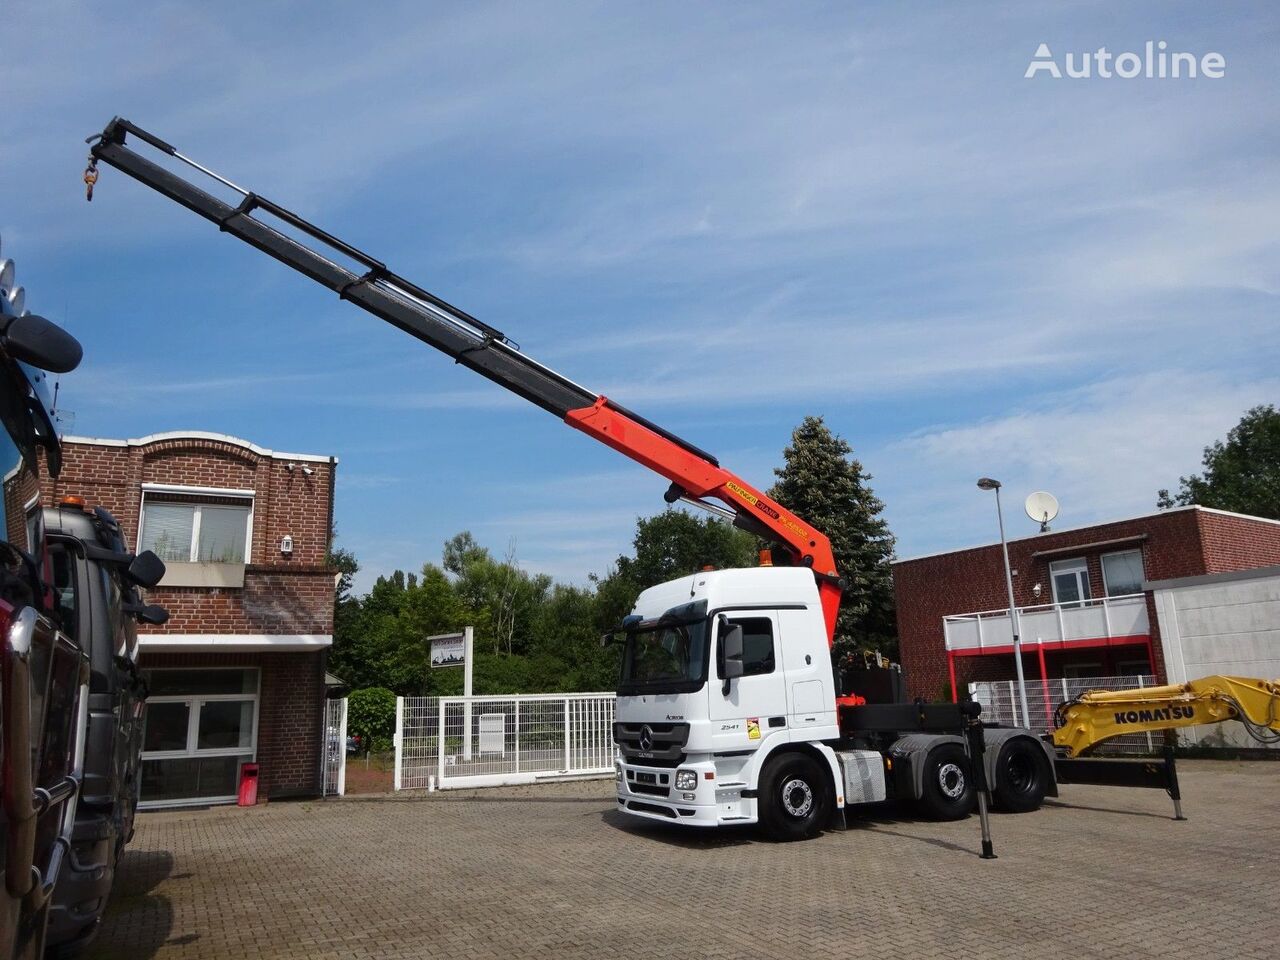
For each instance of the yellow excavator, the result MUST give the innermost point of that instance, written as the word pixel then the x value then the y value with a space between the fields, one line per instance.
pixel 1099 715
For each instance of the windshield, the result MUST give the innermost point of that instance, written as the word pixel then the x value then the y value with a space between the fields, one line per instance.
pixel 669 657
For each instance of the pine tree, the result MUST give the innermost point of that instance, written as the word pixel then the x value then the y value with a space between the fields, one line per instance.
pixel 822 483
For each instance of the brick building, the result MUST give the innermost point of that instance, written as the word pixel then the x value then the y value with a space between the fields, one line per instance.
pixel 237 673
pixel 1084 597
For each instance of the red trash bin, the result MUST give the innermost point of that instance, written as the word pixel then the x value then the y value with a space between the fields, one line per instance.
pixel 248 785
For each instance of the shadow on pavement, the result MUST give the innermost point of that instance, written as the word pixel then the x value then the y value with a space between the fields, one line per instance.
pixel 1123 813
pixel 137 921
pixel 692 838
pixel 876 820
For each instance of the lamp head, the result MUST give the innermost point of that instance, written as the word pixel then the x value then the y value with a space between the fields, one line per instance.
pixel 986 483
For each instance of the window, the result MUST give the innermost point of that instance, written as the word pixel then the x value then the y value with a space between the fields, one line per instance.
pixel 186 529
pixel 1070 580
pixel 1122 573
pixel 199 726
pixel 65 598
pixel 757 645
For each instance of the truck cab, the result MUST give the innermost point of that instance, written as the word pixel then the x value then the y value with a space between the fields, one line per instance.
pixel 720 671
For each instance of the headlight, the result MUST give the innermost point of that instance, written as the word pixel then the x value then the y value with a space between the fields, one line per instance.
pixel 687 780
pixel 617 772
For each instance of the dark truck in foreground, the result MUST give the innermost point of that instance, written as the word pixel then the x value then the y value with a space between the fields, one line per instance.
pixel 43 673
pixel 95 583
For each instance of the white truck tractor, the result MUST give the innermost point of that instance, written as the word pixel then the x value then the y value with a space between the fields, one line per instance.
pixel 728 712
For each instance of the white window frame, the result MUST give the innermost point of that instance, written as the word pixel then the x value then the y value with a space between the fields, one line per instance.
pixel 248 495
pixel 1102 562
pixel 192 752
pixel 1073 565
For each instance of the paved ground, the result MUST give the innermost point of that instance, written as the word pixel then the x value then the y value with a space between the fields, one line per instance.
pixel 554 871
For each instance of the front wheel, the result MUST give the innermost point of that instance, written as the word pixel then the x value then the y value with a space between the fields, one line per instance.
pixel 794 798
pixel 947 791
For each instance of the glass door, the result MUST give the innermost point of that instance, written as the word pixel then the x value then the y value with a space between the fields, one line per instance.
pixel 1070 580
pixel 199 726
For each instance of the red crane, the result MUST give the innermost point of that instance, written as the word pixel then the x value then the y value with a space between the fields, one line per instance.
pixel 696 476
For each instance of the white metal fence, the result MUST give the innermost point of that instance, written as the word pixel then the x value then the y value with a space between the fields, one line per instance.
pixel 335 747
pixel 444 742
pixel 999 699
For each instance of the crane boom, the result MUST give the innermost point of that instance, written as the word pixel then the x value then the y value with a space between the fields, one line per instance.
pixel 1099 715
pixel 695 475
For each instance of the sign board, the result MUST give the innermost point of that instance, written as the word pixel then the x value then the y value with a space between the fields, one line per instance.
pixel 448 650
pixel 493 733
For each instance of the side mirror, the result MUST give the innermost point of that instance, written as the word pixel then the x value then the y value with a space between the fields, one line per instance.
pixel 731 653
pixel 146 569
pixel 153 614
pixel 147 613
pixel 42 343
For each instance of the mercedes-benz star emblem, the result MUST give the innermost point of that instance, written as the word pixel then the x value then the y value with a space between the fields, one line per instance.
pixel 646 738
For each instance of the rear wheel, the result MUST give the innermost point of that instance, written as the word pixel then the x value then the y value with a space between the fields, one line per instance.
pixel 794 797
pixel 947 791
pixel 1022 776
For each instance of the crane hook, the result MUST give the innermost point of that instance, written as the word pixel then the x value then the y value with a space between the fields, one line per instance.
pixel 90 177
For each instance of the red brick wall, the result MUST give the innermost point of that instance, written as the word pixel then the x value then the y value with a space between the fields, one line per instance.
pixel 290 714
pixel 282 593
pixel 967 581
pixel 1237 543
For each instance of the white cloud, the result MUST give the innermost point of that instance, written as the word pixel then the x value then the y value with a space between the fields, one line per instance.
pixel 1103 449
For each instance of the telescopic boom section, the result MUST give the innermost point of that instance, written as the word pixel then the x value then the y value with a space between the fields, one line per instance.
pixel 695 475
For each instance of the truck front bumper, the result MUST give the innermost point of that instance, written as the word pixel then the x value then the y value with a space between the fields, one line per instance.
pixel 650 792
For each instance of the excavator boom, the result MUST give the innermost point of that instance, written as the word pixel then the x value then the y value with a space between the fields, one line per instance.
pixel 1099 715
pixel 696 476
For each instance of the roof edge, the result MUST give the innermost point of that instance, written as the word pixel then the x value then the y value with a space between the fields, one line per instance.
pixel 1257 573
pixel 202 435
pixel 1087 526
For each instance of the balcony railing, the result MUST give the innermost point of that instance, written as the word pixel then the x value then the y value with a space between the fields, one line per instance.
pixel 1050 623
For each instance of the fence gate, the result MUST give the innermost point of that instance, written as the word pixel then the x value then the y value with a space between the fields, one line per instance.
pixel 446 742
pixel 335 747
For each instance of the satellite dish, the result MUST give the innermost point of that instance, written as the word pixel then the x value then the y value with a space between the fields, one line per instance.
pixel 6 276
pixel 18 300
pixel 1042 507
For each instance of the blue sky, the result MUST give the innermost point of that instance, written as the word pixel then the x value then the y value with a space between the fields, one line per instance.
pixel 723 215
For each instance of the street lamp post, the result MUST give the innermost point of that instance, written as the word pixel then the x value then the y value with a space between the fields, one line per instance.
pixel 986 483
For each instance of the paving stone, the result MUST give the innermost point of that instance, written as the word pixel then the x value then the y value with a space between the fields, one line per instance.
pixel 554 871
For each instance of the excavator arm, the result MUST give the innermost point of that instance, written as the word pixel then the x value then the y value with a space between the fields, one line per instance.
pixel 696 476
pixel 1099 715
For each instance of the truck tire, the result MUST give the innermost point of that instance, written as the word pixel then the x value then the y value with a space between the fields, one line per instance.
pixel 1022 776
pixel 794 797
pixel 947 789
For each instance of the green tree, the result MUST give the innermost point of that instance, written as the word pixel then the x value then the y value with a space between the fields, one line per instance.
pixel 432 606
pixel 501 597
pixel 668 545
pixel 346 606
pixel 371 715
pixel 1242 474
pixel 822 482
